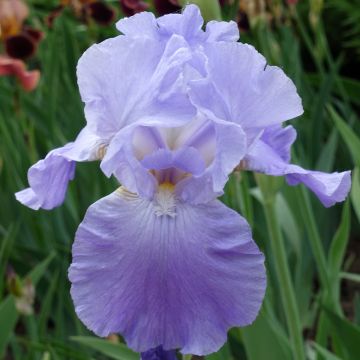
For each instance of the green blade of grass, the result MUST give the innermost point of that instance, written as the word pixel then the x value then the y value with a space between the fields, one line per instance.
pixel 8 319
pixel 115 351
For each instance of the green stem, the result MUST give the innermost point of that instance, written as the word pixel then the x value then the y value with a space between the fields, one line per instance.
pixel 286 288
pixel 320 260
pixel 314 238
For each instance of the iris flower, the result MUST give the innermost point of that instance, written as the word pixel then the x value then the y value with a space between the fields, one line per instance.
pixel 171 111
pixel 16 67
pixel 20 41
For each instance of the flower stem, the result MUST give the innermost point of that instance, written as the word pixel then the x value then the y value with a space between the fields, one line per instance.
pixel 320 260
pixel 314 238
pixel 283 273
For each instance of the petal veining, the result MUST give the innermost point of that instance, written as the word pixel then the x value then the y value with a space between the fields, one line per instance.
pixel 179 282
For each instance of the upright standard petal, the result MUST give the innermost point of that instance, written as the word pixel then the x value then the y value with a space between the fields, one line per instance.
pixel 122 80
pixel 222 31
pixel 177 278
pixel 271 155
pixel 241 88
pixel 49 177
pixel 229 146
pixel 196 156
pixel 187 24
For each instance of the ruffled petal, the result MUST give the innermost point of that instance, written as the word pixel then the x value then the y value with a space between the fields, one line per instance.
pixel 241 88
pixel 49 177
pixel 139 25
pixel 280 140
pixel 329 188
pixel 271 154
pixel 187 159
pixel 122 160
pixel 229 148
pixel 222 31
pixel 177 281
pixel 207 150
pixel 113 99
pixel 187 24
pixel 48 180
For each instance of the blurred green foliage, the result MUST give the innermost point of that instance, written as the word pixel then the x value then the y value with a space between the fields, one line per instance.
pixel 315 304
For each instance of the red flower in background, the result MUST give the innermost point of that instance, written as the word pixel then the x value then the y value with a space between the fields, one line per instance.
pixel 20 41
pixel 166 6
pixel 98 11
pixel 15 67
pixel 131 7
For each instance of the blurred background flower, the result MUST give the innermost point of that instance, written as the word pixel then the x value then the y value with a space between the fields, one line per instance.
pixel 131 7
pixel 166 6
pixel 85 10
pixel 15 67
pixel 20 41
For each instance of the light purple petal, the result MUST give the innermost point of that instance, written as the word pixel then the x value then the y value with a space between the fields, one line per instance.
pixel 222 31
pixel 329 188
pixel 207 150
pixel 188 24
pixel 187 159
pixel 271 157
pixel 108 91
pixel 158 160
pixel 180 282
pixel 122 80
pixel 48 180
pixel 229 148
pixel 280 140
pixel 128 147
pixel 240 88
pixel 49 177
pixel 139 25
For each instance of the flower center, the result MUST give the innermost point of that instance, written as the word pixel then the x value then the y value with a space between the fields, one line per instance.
pixel 165 200
pixel 174 154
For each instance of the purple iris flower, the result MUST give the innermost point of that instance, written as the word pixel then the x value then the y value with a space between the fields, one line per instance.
pixel 171 110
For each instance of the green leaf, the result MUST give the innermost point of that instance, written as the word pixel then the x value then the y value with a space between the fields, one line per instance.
pixel 350 276
pixel 115 351
pixel 36 273
pixel 327 355
pixel 8 319
pixel 350 138
pixel 346 334
pixel 339 242
pixel 355 192
pixel 260 337
pixel 210 9
pixel 223 354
